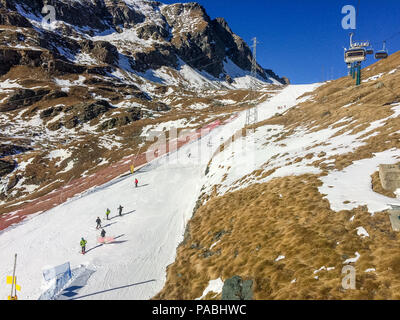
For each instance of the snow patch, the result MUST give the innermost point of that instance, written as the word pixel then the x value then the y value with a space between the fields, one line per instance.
pixel 362 232
pixel 281 257
pixel 352 260
pixel 339 186
pixel 213 286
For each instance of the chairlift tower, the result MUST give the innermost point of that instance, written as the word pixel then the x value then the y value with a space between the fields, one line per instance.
pixel 252 113
pixel 353 57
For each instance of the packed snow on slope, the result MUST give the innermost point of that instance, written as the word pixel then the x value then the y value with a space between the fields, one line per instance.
pixel 133 267
pixel 340 186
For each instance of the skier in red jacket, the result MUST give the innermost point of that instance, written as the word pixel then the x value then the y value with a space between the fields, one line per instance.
pixel 136 182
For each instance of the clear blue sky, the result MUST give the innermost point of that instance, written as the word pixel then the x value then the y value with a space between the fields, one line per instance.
pixel 304 39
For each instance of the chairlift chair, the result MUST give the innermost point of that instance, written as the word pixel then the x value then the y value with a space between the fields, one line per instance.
pixel 355 55
pixel 382 54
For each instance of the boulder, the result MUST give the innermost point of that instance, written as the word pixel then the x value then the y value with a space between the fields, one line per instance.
pixel 236 289
pixel 389 175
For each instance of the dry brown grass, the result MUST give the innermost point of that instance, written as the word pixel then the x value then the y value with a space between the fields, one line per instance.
pixel 259 225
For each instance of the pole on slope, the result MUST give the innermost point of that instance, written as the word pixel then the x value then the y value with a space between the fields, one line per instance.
pixel 356 74
pixel 252 113
pixel 13 278
pixel 15 288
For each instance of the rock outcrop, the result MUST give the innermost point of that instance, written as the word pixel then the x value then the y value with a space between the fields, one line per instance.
pixel 23 98
pixel 102 51
pixel 236 289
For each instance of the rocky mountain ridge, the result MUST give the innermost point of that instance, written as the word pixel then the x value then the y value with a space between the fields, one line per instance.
pixel 146 34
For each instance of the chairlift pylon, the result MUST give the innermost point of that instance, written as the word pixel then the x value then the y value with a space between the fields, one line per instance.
pixel 356 54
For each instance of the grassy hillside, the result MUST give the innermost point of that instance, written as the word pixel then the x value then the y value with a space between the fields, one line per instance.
pixel 244 223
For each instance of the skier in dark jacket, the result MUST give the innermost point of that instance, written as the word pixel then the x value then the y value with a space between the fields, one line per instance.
pixel 103 233
pixel 120 210
pixel 98 221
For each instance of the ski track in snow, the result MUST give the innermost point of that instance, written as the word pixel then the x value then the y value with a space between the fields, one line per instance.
pixel 153 224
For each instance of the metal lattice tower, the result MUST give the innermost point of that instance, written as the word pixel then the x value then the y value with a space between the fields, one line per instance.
pixel 252 113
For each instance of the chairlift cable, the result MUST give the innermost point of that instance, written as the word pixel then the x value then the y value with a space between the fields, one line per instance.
pixel 387 39
pixel 358 8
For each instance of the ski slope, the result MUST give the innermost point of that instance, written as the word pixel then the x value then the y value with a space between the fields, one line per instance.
pixel 147 235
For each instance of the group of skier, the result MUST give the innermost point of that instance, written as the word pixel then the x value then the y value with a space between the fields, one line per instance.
pixel 98 222
pixel 98 226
